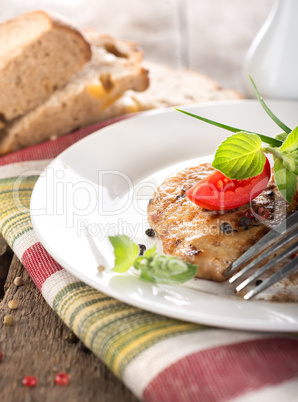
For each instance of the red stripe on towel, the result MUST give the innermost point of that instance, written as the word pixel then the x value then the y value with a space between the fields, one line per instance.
pixel 39 264
pixel 222 373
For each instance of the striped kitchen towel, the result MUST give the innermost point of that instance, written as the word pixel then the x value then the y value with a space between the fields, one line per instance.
pixel 158 358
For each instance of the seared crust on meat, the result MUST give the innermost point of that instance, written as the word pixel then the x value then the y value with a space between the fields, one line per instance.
pixel 194 234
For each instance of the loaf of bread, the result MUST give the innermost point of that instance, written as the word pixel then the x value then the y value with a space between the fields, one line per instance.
pixel 39 53
pixel 114 68
pixel 113 83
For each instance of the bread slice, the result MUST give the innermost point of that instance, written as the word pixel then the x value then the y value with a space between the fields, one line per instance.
pixel 173 87
pixel 84 100
pixel 39 53
pixel 114 68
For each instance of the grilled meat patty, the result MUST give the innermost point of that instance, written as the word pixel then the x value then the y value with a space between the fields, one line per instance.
pixel 212 240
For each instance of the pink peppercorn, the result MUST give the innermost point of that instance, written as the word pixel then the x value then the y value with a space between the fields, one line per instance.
pixel 249 213
pixel 29 381
pixel 263 212
pixel 62 379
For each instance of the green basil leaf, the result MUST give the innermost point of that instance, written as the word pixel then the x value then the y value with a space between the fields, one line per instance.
pixel 286 181
pixel 149 253
pixel 288 159
pixel 281 136
pixel 289 162
pixel 291 142
pixel 164 269
pixel 140 263
pixel 240 156
pixel 153 267
pixel 172 276
pixel 147 276
pixel 125 250
pixel 295 157
pixel 183 276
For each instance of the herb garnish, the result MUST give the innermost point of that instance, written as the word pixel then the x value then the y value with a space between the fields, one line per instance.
pixel 241 156
pixel 153 267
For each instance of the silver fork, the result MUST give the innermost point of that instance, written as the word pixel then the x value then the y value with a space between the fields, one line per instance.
pixel 284 236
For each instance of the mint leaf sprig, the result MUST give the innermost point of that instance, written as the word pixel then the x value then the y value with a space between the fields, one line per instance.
pixel 153 267
pixel 241 156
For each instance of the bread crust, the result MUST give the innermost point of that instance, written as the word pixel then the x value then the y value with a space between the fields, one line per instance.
pixel 42 54
pixel 57 21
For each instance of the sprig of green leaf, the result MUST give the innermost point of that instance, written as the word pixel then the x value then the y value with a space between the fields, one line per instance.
pixel 275 142
pixel 290 143
pixel 287 180
pixel 241 156
pixel 126 251
pixel 153 267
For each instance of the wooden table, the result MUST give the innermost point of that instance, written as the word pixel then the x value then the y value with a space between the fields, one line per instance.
pixel 211 36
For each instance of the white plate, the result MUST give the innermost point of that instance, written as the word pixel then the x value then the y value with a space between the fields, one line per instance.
pixel 101 186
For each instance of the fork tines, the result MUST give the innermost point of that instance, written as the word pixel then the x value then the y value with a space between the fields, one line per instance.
pixel 282 237
pixel 285 271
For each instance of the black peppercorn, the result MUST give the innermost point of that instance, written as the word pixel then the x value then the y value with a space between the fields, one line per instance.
pixel 226 228
pixel 142 249
pixel 258 282
pixel 150 232
pixel 244 221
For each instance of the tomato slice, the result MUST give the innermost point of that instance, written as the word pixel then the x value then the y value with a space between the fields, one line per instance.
pixel 218 192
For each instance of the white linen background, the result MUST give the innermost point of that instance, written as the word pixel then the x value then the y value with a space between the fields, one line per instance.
pixel 210 36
